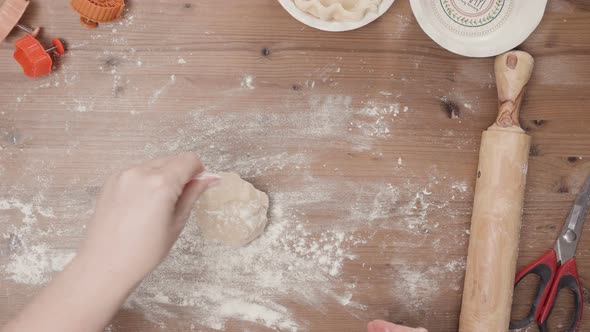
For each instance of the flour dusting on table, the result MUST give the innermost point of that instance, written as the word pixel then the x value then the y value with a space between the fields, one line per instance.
pixel 295 262
pixel 248 82
pixel 320 219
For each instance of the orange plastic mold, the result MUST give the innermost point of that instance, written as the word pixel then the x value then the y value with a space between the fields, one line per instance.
pixel 11 12
pixel 94 11
pixel 33 58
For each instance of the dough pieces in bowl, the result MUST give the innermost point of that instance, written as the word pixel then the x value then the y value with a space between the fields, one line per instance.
pixel 233 213
pixel 339 10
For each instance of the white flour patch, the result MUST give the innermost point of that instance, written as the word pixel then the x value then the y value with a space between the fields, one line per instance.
pixel 376 120
pixel 417 208
pixel 455 266
pixel 26 209
pixel 329 115
pixel 248 82
pixel 157 93
pixel 460 188
pixel 254 313
pixel 417 284
pixel 30 263
pixel 82 105
pixel 325 73
pixel 373 203
pixel 402 23
pixel 33 265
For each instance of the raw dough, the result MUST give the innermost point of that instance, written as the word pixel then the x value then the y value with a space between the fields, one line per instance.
pixel 233 213
pixel 339 10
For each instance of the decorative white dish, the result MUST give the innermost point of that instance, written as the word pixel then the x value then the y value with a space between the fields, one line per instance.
pixel 317 23
pixel 478 28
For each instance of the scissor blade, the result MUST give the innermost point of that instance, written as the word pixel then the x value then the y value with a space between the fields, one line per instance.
pixel 565 246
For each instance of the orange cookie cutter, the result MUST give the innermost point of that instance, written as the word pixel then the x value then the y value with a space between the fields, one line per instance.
pixel 33 57
pixel 94 11
pixel 10 13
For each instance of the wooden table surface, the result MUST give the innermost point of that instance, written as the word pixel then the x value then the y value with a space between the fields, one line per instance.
pixel 366 141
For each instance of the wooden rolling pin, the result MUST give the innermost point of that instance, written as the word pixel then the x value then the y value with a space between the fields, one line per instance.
pixel 497 206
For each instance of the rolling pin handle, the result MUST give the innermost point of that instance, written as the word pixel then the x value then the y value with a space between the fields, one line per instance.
pixel 513 71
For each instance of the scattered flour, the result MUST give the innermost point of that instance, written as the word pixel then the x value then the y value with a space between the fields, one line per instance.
pixel 324 73
pixel 253 312
pixel 460 186
pixel 82 105
pixel 318 223
pixel 33 265
pixel 248 82
pixel 420 283
pixel 158 92
pixel 416 212
pixel 30 262
pixel 26 209
pixel 375 120
pixel 373 204
pixel 210 285
pixel 243 283
pixel 455 266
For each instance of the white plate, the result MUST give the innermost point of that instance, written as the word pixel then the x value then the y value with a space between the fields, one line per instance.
pixel 478 28
pixel 315 22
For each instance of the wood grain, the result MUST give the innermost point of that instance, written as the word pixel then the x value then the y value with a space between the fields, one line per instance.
pixel 100 112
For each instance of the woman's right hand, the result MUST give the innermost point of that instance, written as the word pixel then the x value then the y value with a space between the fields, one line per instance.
pixel 140 214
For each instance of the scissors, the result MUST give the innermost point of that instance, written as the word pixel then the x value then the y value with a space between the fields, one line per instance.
pixel 557 269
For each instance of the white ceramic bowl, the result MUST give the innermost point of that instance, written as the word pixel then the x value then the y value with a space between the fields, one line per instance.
pixel 315 22
pixel 478 28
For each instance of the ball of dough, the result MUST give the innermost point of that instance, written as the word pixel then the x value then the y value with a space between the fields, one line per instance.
pixel 233 212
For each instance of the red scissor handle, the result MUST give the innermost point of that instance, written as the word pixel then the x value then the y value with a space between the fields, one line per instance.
pixel 566 277
pixel 545 268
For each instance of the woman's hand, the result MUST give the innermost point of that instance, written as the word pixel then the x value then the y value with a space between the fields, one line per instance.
pixel 140 214
pixel 138 217
pixel 383 326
